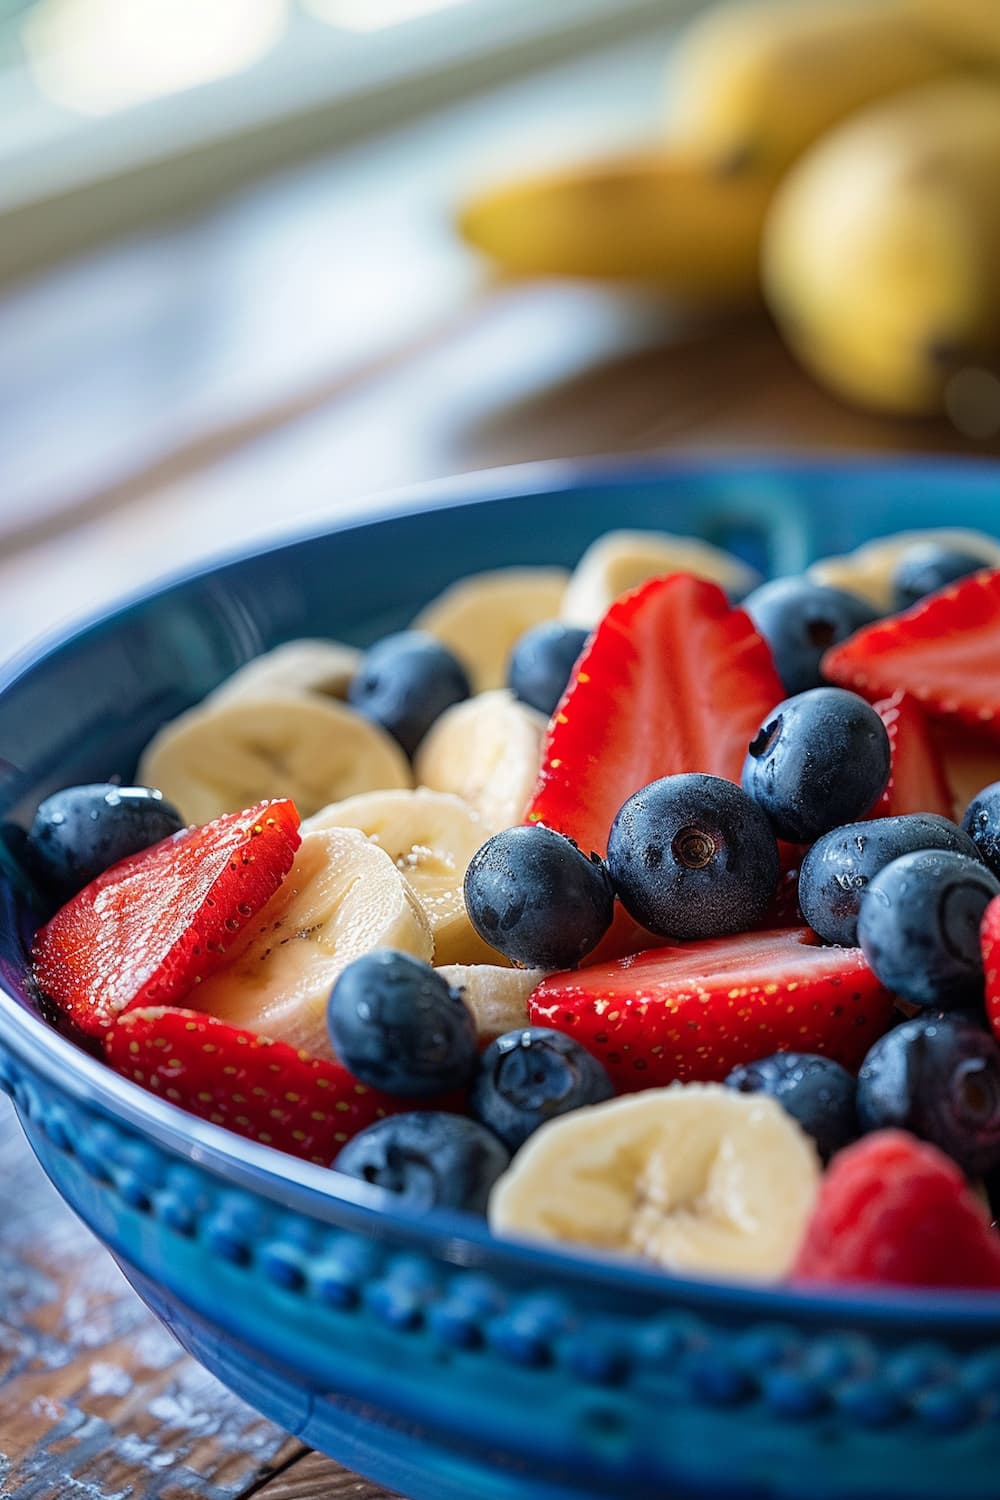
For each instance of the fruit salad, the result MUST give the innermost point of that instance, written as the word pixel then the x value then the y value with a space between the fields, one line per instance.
pixel 650 909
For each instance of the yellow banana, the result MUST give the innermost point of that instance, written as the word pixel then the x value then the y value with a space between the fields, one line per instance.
pixel 653 216
pixel 758 82
pixel 881 253
pixel 969 28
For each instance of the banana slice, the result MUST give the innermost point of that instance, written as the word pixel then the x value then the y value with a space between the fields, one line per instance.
pixel 304 666
pixel 868 571
pixel 481 617
pixel 342 897
pixel 497 998
pixel 698 1179
pixel 430 838
pixel 221 757
pixel 487 751
pixel 622 560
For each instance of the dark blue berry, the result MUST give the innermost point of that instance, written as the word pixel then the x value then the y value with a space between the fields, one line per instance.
pixel 692 856
pixel 800 620
pixel 820 759
pixel 530 1076
pixel 395 1023
pixel 405 682
pixel 838 868
pixel 918 927
pixel 531 894
pixel 429 1159
pixel 541 663
pixel 81 831
pixel 939 1078
pixel 926 567
pixel 982 824
pixel 815 1091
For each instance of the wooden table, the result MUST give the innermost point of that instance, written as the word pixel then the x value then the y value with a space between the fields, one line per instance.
pixel 173 439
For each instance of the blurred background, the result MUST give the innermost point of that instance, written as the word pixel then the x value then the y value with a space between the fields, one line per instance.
pixel 260 259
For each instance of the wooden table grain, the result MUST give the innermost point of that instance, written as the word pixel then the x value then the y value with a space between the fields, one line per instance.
pixel 203 420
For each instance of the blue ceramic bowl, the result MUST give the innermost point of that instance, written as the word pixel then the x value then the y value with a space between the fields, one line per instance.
pixel 423 1353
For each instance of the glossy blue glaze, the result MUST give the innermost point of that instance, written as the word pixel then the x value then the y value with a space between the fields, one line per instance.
pixel 423 1353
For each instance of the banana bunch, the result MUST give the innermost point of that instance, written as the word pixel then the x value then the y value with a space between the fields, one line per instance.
pixel 838 157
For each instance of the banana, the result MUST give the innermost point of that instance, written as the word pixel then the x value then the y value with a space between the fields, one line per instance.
pixel 880 255
pixel 696 1178
pixel 487 751
pixel 868 570
pixel 221 757
pixel 342 897
pixel 757 83
pixel 430 838
pixel 663 216
pixel 302 666
pixel 969 28
pixel 497 998
pixel 969 764
pixel 620 560
pixel 482 616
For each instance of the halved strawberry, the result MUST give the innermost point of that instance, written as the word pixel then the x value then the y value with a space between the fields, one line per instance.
pixel 692 1012
pixel 917 782
pixel 673 680
pixel 267 1091
pixel 990 936
pixel 944 651
pixel 153 925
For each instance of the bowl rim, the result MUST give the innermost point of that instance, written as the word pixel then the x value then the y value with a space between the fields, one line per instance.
pixel 456 1238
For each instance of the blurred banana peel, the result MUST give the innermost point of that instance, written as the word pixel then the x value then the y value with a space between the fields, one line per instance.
pixel 839 157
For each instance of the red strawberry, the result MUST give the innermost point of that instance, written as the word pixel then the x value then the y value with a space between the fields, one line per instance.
pixel 673 680
pixel 944 651
pixel 267 1091
pixel 692 1012
pixel 153 925
pixel 894 1210
pixel 917 782
pixel 990 934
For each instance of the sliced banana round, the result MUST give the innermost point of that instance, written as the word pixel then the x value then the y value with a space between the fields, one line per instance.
pixel 222 757
pixel 621 560
pixel 868 571
pixel 497 998
pixel 480 617
pixel 342 897
pixel 487 751
pixel 430 838
pixel 303 666
pixel 698 1179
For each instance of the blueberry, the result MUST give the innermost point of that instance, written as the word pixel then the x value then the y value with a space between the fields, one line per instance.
pixel 927 567
pixel 405 682
pixel 81 831
pixel 918 926
pixel 395 1023
pixel 527 1077
pixel 820 759
pixel 938 1077
pixel 837 869
pixel 801 620
pixel 692 856
pixel 982 824
pixel 429 1159
pixel 541 662
pixel 815 1091
pixel 531 894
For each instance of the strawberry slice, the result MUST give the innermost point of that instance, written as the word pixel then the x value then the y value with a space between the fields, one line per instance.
pixel 917 782
pixel 673 680
pixel 990 936
pixel 263 1090
pixel 153 925
pixel 896 1211
pixel 693 1011
pixel 944 651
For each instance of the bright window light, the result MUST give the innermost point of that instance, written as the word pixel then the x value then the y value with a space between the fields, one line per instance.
pixel 373 15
